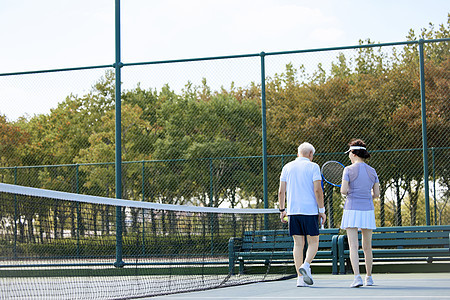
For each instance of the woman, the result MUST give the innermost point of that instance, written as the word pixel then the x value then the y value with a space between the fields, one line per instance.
pixel 360 184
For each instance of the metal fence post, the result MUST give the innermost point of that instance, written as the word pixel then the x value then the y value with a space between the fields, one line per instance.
pixel 15 216
pixel 143 210
pixel 264 136
pixel 211 204
pixel 424 130
pixel 211 183
pixel 77 184
pixel 118 163
pixel 434 185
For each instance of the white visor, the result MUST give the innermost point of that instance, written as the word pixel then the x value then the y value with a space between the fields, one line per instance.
pixel 355 148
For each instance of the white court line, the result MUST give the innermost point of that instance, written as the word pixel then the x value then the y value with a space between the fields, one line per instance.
pixel 313 297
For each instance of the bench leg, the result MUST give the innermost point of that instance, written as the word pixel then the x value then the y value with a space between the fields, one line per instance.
pixel 231 266
pixel 334 268
pixel 341 264
pixel 341 247
pixel 241 266
pixel 334 254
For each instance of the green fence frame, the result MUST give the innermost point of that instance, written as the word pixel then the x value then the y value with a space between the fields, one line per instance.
pixel 118 65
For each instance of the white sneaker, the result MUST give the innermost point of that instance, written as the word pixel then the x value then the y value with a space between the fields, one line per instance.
pixel 357 282
pixel 306 272
pixel 300 282
pixel 369 281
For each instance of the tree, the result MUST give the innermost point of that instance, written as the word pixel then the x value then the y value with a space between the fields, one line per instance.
pixel 13 141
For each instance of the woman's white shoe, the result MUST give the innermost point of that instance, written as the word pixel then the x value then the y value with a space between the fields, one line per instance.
pixel 369 281
pixel 357 282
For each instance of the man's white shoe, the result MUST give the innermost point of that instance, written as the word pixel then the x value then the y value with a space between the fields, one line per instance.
pixel 300 282
pixel 357 282
pixel 306 272
pixel 369 281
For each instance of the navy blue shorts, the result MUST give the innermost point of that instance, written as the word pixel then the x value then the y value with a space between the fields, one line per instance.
pixel 304 225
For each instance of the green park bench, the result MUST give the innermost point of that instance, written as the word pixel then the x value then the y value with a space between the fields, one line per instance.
pixel 402 243
pixel 269 246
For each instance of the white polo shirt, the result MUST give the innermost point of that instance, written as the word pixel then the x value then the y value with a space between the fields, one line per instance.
pixel 299 176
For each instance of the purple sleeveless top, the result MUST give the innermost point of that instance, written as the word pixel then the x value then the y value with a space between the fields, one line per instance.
pixel 361 178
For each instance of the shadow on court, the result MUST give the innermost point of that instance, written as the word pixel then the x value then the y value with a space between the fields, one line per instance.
pixel 387 286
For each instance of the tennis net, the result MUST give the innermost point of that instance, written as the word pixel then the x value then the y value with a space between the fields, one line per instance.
pixel 57 245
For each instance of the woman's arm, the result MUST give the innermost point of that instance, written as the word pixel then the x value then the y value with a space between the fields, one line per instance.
pixel 376 190
pixel 344 187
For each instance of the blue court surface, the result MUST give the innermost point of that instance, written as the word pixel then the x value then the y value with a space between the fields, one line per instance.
pixel 387 286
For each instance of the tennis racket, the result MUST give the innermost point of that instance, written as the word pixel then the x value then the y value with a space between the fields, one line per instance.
pixel 332 172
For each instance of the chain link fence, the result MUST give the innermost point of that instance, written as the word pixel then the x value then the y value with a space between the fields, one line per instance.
pixel 192 130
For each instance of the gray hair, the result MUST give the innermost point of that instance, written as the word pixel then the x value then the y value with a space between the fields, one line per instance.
pixel 305 148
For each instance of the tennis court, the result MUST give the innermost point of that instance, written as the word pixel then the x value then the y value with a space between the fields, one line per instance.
pixel 387 286
pixel 175 250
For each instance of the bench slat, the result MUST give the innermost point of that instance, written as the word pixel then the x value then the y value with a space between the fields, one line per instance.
pixel 409 243
pixel 424 252
pixel 413 228
pixel 410 235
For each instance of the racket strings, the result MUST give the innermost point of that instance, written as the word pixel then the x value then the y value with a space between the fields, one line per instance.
pixel 332 172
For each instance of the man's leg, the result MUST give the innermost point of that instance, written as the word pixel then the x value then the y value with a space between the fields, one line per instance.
pixel 299 244
pixel 305 268
pixel 313 246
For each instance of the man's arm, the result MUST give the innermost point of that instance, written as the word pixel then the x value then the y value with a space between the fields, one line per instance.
pixel 318 192
pixel 282 200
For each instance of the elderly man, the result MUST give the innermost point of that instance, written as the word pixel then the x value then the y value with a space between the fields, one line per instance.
pixel 300 181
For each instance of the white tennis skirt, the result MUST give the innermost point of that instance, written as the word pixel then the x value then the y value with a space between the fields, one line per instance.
pixel 364 219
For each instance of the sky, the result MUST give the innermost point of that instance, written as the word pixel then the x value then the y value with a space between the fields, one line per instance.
pixel 51 34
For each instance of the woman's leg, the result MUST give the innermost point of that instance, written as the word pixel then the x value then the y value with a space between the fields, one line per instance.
pixel 352 236
pixel 367 248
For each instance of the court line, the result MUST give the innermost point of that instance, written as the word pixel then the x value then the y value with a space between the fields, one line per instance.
pixel 313 297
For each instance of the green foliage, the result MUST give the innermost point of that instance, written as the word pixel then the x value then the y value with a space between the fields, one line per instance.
pixel 369 93
pixel 12 141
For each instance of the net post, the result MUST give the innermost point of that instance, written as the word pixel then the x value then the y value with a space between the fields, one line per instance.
pixel 424 130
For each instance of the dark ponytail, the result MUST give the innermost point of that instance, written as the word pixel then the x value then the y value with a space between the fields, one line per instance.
pixel 360 152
